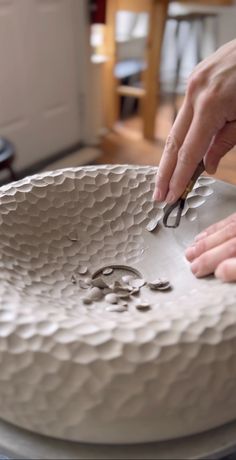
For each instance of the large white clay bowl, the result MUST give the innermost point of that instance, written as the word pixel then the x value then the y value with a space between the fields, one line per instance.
pixel 81 372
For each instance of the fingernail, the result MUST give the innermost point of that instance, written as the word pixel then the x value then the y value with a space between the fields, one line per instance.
pixel 195 268
pixel 157 194
pixel 190 253
pixel 200 236
pixel 170 197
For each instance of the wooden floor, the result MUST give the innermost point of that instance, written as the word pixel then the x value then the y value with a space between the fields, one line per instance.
pixel 125 145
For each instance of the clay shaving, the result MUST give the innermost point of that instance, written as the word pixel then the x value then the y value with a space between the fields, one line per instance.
pixel 117 294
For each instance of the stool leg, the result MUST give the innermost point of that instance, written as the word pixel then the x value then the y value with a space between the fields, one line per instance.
pixel 129 102
pixel 200 31
pixel 180 54
pixel 151 77
pixel 177 70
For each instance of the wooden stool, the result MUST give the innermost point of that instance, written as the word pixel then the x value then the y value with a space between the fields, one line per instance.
pixel 7 155
pixel 149 90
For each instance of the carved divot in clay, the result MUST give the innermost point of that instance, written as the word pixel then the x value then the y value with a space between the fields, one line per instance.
pixel 155 221
pixel 206 180
pixel 191 215
pixel 81 369
pixel 107 271
pixel 73 279
pixel 73 236
pixel 82 269
pixel 195 201
pixel 203 191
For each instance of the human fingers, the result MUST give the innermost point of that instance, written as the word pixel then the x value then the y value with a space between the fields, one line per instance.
pixel 210 101
pixel 170 153
pixel 226 271
pixel 207 262
pixel 217 226
pixel 203 129
pixel 223 142
pixel 215 239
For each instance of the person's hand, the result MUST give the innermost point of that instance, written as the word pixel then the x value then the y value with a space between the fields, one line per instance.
pixel 205 126
pixel 214 251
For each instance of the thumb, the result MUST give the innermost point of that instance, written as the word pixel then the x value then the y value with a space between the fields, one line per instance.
pixel 222 143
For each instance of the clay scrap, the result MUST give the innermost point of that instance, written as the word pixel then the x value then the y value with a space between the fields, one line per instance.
pixel 116 293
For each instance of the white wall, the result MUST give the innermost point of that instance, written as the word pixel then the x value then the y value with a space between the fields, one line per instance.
pixel 44 77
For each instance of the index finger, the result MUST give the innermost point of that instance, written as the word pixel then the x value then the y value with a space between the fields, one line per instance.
pixel 169 157
pixel 207 121
pixel 216 227
pixel 198 139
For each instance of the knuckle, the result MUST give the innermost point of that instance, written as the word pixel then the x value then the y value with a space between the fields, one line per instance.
pixel 191 86
pixel 195 81
pixel 201 246
pixel 184 157
pixel 159 176
pixel 209 101
pixel 172 145
pixel 204 262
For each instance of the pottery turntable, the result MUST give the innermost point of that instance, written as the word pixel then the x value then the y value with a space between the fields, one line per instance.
pixel 109 346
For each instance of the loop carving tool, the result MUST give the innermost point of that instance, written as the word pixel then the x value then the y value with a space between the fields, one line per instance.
pixel 179 204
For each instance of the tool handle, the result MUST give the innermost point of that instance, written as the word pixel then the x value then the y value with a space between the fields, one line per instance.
pixel 199 170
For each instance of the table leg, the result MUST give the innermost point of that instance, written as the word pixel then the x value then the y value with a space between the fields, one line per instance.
pixel 151 79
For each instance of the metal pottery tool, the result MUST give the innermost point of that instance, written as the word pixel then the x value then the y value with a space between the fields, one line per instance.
pixel 181 201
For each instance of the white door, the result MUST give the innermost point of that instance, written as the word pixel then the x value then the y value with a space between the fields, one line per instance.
pixel 42 82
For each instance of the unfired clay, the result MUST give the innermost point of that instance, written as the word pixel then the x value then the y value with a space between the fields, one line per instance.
pixel 80 372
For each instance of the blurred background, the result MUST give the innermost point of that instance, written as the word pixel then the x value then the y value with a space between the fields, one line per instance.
pixel 99 81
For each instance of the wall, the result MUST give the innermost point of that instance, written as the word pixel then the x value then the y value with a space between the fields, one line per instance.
pixel 44 77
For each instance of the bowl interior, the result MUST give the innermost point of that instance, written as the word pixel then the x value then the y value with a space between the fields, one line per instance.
pixel 95 217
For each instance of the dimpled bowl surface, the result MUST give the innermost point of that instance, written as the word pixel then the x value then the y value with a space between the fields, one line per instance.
pixel 83 373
